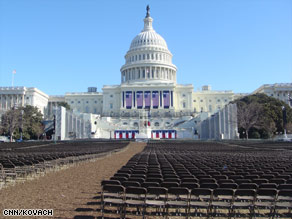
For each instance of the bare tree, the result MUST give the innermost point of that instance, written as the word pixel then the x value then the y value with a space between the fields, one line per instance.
pixel 10 121
pixel 249 115
pixel 289 127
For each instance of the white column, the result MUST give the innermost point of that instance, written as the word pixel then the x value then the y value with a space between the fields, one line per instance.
pixel 121 99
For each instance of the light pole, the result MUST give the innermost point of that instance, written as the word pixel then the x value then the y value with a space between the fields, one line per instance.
pixel 284 120
pixel 21 124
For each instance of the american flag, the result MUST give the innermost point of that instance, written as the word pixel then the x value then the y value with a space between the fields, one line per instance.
pixel 155 99
pixel 166 99
pixel 147 96
pixel 289 99
pixel 129 99
pixel 139 99
pixel 14 71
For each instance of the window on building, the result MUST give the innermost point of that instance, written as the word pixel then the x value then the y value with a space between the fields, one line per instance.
pixel 156 124
pixel 183 95
pixel 94 111
pixel 210 101
pixel 210 108
pixel 111 95
pixel 195 109
pixel 202 109
pixel 86 101
pixel 78 101
pixel 72 102
pixel 139 57
pixel 184 104
pixel 95 101
pixel 218 100
pixel 143 73
pixel 148 56
pixel 201 101
pixel 194 101
pixel 143 56
pixel 111 105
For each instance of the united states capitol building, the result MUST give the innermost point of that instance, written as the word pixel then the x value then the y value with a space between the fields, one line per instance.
pixel 148 84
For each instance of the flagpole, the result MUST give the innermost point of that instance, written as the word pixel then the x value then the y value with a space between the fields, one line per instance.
pixel 13 73
pixel 12 79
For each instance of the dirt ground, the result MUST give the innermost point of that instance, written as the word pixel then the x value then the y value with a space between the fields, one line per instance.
pixel 72 192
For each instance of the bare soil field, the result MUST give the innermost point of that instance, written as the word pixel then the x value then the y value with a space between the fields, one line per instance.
pixel 71 192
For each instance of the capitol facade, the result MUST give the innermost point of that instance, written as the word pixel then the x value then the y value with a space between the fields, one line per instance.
pixel 148 84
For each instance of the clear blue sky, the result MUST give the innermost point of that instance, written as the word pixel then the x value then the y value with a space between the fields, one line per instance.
pixel 64 46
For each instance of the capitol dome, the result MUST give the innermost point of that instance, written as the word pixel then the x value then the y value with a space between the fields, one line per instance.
pixel 148 59
pixel 148 37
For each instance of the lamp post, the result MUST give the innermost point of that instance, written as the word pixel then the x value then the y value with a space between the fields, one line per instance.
pixel 284 120
pixel 21 124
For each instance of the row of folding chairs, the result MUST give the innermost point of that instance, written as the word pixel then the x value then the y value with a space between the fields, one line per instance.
pixel 198 202
pixel 155 182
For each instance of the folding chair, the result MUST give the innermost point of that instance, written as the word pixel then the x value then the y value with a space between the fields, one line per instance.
pixel 220 181
pixel 135 197
pixel 169 184
pixel 283 204
pixel 156 199
pixel 177 198
pixel 229 186
pixel 285 186
pixel 150 184
pixel 119 178
pixel 207 180
pixel 110 182
pixel 150 179
pixel 113 196
pixel 200 200
pixel 264 202
pixel 222 199
pixel 191 180
pixel 209 185
pixel 131 184
pixel 278 181
pixel 243 200
pixel 268 186
pixel 240 181
pixel 248 186
pixel 189 185
pixel 176 180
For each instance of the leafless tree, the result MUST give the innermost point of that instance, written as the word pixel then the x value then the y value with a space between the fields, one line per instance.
pixel 289 127
pixel 10 121
pixel 249 115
